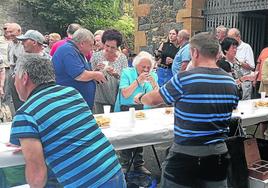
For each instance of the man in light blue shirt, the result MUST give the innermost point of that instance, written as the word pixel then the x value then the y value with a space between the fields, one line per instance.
pixel 183 57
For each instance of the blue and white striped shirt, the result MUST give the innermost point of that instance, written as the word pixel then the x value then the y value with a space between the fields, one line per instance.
pixel 203 99
pixel 74 147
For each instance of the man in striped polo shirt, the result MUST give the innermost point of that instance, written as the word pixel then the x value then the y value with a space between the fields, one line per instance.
pixel 57 132
pixel 204 98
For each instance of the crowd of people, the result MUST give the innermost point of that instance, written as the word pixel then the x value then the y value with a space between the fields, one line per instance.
pixel 56 85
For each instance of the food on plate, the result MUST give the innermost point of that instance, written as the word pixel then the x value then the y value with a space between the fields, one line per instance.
pixel 140 115
pixel 103 121
pixel 261 103
pixel 169 111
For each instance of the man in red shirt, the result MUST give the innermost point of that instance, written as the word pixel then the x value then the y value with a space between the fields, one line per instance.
pixel 70 31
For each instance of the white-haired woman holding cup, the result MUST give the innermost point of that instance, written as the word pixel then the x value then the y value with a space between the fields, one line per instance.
pixel 135 80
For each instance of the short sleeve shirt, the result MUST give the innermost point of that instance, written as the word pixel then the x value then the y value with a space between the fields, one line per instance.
pixel 69 63
pixel 182 55
pixel 102 96
pixel 129 75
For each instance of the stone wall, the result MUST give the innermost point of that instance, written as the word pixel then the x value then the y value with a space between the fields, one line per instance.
pixel 16 11
pixel 155 18
pixel 161 18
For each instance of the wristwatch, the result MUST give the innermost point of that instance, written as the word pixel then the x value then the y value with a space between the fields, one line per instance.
pixel 140 97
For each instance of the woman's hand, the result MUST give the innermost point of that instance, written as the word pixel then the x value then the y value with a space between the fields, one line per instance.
pixel 143 77
pixel 110 70
pixel 152 81
pixel 169 60
pixel 136 98
pixel 99 66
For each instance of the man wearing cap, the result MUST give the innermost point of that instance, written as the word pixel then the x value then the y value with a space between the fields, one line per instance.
pixel 32 42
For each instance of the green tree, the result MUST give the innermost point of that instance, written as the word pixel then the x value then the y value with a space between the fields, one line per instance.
pixel 57 14
pixel 92 14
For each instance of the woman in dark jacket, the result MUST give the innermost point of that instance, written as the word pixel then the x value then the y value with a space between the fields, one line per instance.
pixel 165 54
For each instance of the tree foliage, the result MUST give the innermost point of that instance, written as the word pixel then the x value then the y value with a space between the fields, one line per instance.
pixel 92 14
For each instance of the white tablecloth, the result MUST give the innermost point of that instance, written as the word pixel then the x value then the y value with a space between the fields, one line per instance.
pixel 156 128
pixel 250 114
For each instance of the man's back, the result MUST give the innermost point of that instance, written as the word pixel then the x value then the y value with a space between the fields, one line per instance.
pixel 74 147
pixel 204 99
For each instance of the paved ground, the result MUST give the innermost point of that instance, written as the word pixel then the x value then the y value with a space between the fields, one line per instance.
pixel 150 161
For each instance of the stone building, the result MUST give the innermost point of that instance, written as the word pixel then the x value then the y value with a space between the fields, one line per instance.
pixel 16 11
pixel 154 18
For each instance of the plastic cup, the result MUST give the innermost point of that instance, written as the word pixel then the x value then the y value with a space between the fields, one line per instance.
pixel 106 63
pixel 107 109
pixel 131 117
pixel 263 94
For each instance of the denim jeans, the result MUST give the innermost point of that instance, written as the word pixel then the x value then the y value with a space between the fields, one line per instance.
pixel 164 75
pixel 117 181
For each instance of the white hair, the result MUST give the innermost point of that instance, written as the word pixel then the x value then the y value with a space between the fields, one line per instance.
pixel 143 55
pixel 82 35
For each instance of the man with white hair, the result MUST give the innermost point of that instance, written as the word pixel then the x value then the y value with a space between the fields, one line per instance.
pixel 73 69
pixel 221 33
pixel 245 61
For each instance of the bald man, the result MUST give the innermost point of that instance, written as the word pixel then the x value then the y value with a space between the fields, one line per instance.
pixel 14 51
pixel 246 62
pixel 183 56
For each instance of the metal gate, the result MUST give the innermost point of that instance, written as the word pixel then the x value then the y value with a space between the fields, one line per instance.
pixel 239 14
pixel 252 28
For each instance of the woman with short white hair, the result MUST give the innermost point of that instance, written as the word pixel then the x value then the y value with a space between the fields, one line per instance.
pixel 136 80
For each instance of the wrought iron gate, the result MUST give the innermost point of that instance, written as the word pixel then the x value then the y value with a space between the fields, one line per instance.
pixel 239 14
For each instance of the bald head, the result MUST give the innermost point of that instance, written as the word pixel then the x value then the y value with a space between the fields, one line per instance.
pixel 12 31
pixel 5 26
pixel 234 33
pixel 15 26
pixel 184 34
